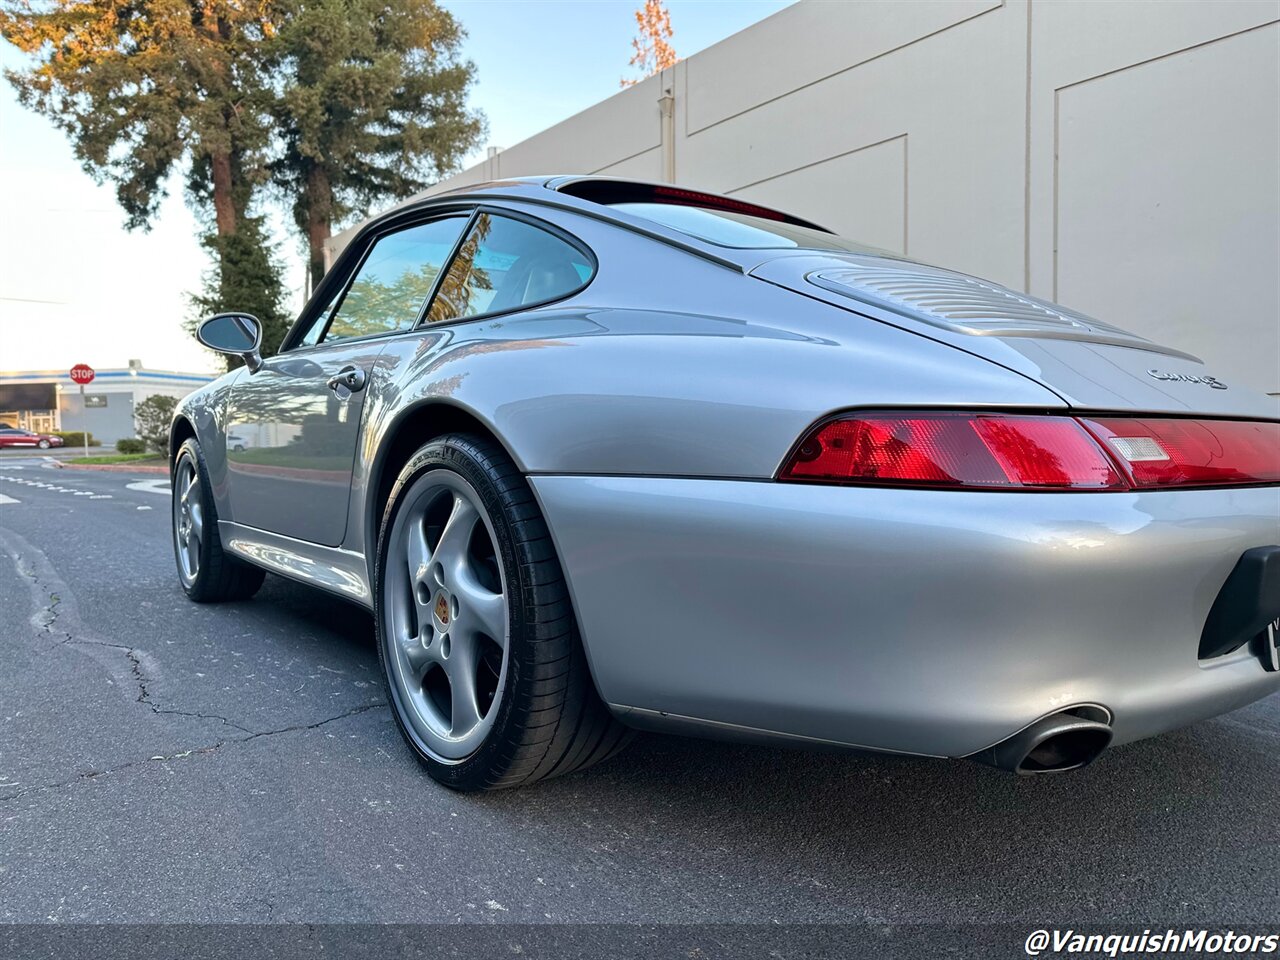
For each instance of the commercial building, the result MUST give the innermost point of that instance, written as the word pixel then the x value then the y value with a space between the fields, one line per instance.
pixel 45 400
pixel 1119 157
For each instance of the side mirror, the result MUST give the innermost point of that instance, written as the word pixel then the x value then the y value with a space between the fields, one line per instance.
pixel 235 333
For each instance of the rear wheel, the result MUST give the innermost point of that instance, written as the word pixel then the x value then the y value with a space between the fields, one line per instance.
pixel 207 573
pixel 480 650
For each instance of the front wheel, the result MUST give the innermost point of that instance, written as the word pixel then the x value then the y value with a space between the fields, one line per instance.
pixel 43 444
pixel 207 573
pixel 481 657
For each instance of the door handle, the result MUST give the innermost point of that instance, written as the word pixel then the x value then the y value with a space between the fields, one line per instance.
pixel 347 381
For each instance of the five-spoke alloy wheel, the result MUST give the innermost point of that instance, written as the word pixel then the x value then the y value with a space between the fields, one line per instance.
pixel 484 669
pixel 206 572
pixel 188 518
pixel 447 610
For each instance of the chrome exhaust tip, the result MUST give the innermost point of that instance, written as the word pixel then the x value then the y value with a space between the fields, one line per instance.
pixel 1053 744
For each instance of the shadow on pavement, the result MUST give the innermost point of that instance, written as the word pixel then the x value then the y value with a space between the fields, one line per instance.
pixel 1177 825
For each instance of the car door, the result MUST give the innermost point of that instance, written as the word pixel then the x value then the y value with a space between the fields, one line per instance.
pixel 296 421
pixel 20 438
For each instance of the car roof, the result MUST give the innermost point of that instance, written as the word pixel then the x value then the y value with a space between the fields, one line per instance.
pixel 622 189
pixel 575 193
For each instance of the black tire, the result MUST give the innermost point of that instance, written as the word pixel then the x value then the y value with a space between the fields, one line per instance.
pixel 550 719
pixel 43 444
pixel 218 576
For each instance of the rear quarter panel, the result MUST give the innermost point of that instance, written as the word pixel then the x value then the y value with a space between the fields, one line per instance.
pixel 665 365
pixel 1087 375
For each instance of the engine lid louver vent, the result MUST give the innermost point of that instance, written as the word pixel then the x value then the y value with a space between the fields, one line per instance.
pixel 965 304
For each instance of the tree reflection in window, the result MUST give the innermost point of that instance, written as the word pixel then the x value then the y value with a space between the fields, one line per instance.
pixel 395 280
pixel 505 264
pixel 466 280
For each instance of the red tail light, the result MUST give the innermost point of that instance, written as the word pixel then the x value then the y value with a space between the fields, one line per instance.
pixel 1201 453
pixel 1026 452
pixel 954 450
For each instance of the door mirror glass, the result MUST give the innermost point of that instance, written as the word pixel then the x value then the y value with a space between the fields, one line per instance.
pixel 236 333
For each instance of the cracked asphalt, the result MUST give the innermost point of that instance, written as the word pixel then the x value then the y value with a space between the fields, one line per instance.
pixel 167 762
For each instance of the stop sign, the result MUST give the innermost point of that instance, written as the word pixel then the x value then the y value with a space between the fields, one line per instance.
pixel 82 373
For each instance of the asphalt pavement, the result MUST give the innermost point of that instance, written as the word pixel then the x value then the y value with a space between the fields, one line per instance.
pixel 22 454
pixel 163 761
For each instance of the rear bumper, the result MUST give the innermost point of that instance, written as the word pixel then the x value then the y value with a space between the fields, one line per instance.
pixel 924 622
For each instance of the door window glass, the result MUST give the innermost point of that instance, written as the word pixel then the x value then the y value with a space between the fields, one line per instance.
pixel 505 264
pixel 393 283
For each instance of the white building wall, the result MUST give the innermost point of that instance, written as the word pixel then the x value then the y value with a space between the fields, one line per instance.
pixel 117 392
pixel 1121 156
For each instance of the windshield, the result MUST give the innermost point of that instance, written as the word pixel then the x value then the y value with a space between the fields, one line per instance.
pixel 728 228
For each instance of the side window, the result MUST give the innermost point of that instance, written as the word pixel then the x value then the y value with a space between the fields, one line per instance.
pixel 505 264
pixel 391 285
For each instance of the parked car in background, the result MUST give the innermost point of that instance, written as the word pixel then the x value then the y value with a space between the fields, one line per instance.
pixel 17 437
pixel 603 455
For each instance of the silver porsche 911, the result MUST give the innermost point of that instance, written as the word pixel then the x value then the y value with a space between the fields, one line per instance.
pixel 604 455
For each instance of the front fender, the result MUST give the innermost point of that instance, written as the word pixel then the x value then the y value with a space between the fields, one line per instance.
pixel 205 411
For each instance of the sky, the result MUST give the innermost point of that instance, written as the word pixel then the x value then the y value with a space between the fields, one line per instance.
pixel 76 287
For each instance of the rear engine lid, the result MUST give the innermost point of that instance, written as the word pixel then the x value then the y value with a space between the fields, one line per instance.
pixel 1090 364
pixel 963 304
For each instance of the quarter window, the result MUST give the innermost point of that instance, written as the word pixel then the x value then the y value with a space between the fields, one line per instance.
pixel 505 264
pixel 393 283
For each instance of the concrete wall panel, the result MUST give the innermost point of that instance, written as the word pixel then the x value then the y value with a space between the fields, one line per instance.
pixel 758 65
pixel 1120 154
pixel 623 126
pixel 643 166
pixel 861 194
pixel 1165 217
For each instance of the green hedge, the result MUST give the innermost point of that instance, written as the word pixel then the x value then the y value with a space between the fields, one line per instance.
pixel 75 438
pixel 131 446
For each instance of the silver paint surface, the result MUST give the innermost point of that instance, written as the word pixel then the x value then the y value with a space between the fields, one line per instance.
pixel 920 621
pixel 651 411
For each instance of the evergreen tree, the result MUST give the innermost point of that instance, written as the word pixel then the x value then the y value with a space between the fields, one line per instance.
pixel 246 279
pixel 152 87
pixel 371 107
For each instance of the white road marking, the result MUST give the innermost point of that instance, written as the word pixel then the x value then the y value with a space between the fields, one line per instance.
pixel 144 508
pixel 54 488
pixel 4 499
pixel 150 486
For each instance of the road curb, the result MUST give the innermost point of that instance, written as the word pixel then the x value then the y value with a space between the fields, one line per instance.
pixel 116 468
